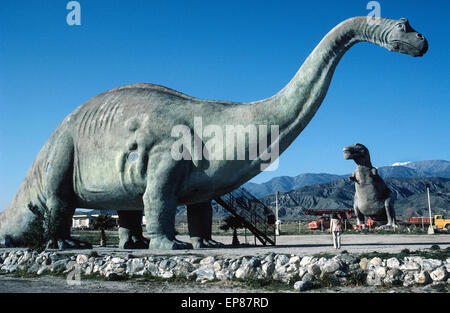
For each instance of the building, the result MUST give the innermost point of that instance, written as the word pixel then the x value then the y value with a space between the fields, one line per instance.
pixel 86 221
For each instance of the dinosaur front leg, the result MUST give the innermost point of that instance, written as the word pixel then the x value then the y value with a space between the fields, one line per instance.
pixel 200 225
pixel 60 195
pixel 59 225
pixel 130 230
pixel 164 178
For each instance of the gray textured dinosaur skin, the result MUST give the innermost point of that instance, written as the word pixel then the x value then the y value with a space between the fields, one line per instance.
pixel 113 152
pixel 372 196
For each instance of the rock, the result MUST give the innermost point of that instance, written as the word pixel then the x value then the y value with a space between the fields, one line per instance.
pixel 380 271
pixel 410 266
pixel 295 260
pixel 205 273
pixel 439 274
pixel 56 257
pixel 82 258
pixel 268 268
pixel 10 268
pixel 340 274
pixel 208 260
pixel 431 264
pixel 322 261
pixel 167 274
pixel 393 263
pixel 135 265
pixel 116 260
pixel 292 267
pixel 217 266
pixel 43 269
pixel 281 259
pixel 224 274
pixel 374 262
pixel 307 260
pixel 363 263
pixel 167 264
pixel 34 268
pixel 151 269
pixel 347 259
pixel 254 262
pixel 308 277
pixel 302 271
pixel 332 266
pixel 235 265
pixel 270 257
pixel 422 278
pixel 314 269
pixel 372 279
pixel 89 269
pixel 59 266
pixel 303 285
pixel 112 276
pixel 393 277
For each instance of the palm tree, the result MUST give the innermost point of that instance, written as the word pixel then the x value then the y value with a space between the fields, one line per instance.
pixel 234 223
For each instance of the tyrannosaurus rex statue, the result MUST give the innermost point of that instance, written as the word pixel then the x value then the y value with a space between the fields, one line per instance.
pixel 114 151
pixel 372 197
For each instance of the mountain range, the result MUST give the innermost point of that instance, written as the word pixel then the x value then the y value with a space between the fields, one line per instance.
pixel 433 168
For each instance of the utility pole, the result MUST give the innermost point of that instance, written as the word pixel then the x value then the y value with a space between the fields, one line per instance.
pixel 277 222
pixel 430 228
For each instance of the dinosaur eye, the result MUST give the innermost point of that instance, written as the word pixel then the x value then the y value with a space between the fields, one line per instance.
pixel 401 26
pixel 133 156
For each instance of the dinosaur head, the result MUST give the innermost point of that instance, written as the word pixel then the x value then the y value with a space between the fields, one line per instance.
pixel 404 39
pixel 357 152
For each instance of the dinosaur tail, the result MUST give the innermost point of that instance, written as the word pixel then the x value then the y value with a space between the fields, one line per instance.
pixel 15 220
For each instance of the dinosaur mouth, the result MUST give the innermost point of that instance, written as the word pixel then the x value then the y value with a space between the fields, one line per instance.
pixel 418 52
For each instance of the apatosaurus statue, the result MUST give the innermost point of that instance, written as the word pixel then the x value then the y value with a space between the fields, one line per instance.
pixel 114 151
pixel 372 197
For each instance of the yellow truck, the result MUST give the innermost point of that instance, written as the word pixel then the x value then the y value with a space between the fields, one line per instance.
pixel 440 222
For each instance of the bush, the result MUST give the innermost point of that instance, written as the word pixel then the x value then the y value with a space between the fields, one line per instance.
pixel 39 229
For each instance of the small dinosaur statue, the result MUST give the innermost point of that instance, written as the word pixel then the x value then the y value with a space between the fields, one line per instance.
pixel 114 151
pixel 372 197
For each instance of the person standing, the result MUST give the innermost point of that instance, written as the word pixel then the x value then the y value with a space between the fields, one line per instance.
pixel 336 229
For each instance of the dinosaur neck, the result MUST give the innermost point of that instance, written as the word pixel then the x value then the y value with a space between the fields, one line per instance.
pixel 364 162
pixel 295 105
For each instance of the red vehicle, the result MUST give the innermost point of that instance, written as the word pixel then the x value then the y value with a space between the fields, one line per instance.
pixel 419 220
pixel 323 222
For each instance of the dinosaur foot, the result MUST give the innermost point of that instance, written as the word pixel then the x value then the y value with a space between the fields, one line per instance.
pixel 67 243
pixel 198 243
pixel 164 243
pixel 134 242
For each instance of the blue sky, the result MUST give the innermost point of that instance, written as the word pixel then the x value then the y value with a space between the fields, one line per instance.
pixel 229 50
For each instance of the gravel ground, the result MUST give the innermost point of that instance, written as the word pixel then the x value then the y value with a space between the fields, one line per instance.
pixel 51 284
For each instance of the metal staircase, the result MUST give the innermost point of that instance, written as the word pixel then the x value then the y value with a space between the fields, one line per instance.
pixel 254 215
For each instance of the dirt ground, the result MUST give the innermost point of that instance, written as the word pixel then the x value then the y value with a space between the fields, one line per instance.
pixel 299 245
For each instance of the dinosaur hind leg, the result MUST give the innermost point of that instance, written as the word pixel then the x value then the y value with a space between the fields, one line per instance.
pixel 200 225
pixel 130 230
pixel 60 195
